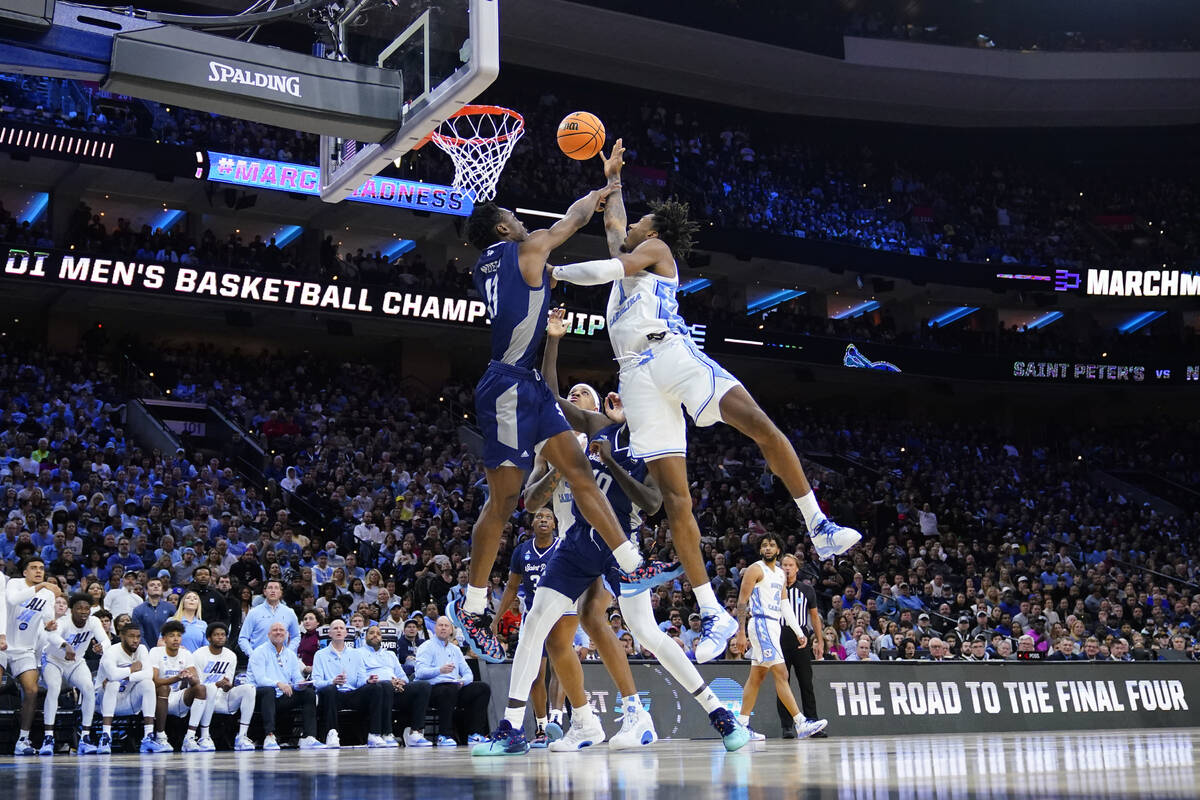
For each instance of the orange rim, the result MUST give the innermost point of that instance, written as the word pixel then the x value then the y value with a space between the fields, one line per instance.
pixel 470 111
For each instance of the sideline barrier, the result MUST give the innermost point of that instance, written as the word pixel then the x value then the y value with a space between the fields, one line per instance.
pixel 882 698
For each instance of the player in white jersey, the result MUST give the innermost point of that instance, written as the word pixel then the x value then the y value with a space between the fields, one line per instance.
pixel 217 665
pixel 545 484
pixel 663 372
pixel 178 687
pixel 761 607
pixel 63 651
pixel 545 478
pixel 3 624
pixel 126 684
pixel 30 605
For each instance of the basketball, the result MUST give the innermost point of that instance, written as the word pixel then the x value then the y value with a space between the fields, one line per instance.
pixel 580 135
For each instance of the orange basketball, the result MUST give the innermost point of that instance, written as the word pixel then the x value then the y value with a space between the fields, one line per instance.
pixel 580 135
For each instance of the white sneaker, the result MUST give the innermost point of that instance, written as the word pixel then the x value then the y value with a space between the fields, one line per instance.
pixel 161 736
pixel 310 743
pixel 245 743
pixel 390 741
pixel 831 539
pixel 191 745
pixel 269 743
pixel 810 727
pixel 332 742
pixel 207 745
pixel 716 631
pixel 415 739
pixel 580 736
pixel 375 740
pixel 755 736
pixel 637 730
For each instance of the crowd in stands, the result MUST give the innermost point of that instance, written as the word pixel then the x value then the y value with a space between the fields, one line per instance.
pixel 819 26
pixel 739 170
pixel 369 499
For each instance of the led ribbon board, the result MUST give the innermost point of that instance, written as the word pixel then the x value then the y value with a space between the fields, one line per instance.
pixel 259 173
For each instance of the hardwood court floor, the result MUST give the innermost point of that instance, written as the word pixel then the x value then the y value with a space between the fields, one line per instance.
pixel 1152 764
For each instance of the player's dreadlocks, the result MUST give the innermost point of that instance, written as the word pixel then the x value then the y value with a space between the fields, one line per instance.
pixel 674 228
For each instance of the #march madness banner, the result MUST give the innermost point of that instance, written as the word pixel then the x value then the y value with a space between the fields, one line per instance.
pixel 893 698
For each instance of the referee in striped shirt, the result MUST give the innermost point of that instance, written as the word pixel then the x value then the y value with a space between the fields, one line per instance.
pixel 799 660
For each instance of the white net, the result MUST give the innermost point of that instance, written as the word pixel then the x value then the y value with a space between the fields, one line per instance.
pixel 479 139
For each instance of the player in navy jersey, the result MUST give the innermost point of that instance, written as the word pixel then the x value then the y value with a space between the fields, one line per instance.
pixel 581 566
pixel 525 569
pixel 514 408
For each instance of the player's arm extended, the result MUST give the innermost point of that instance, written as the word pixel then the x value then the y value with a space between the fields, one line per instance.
pixel 615 221
pixel 583 421
pixel 536 247
pixel 789 614
pixel 646 496
pixel 652 254
pixel 750 579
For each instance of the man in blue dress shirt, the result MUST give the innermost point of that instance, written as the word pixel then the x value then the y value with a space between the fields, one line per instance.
pixel 275 670
pixel 341 680
pixel 260 619
pixel 412 698
pixel 455 689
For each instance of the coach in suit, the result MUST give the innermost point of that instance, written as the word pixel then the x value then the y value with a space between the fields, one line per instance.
pixel 799 659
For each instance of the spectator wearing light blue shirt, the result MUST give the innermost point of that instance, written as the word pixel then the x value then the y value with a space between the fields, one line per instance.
pixel 342 681
pixel 441 662
pixel 260 619
pixel 275 671
pixel 862 650
pixel 411 698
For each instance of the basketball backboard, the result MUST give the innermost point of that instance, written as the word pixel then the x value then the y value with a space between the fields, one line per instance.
pixel 446 51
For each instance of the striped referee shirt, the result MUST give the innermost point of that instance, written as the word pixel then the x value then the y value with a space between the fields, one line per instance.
pixel 802 597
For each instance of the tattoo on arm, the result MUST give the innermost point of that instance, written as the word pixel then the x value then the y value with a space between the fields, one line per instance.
pixel 539 494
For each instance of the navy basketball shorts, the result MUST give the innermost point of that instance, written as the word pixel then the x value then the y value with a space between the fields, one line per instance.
pixel 517 413
pixel 582 557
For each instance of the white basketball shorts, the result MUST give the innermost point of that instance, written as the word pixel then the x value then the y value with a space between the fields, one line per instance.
pixel 763 633
pixel 672 375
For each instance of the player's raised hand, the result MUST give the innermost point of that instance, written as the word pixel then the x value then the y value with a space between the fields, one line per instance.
pixel 556 327
pixel 602 195
pixel 602 448
pixel 613 409
pixel 614 161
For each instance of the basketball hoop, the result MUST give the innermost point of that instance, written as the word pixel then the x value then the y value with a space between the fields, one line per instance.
pixel 479 139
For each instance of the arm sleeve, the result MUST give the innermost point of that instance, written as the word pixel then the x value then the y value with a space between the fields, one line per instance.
pixel 294 676
pixel 590 273
pixel 320 671
pixel 97 628
pixel 256 669
pixel 147 671
pixel 109 671
pixel 293 627
pixel 359 678
pixel 53 639
pixel 789 616
pixel 465 675
pixel 244 634
pixel 425 668
pixel 397 670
